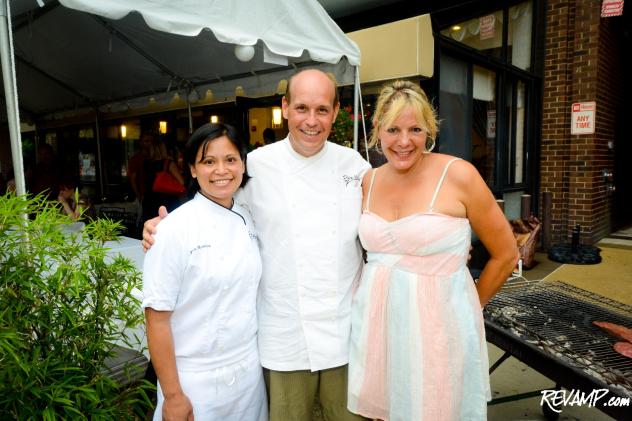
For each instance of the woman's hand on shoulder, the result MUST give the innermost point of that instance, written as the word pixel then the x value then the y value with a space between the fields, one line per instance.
pixel 150 228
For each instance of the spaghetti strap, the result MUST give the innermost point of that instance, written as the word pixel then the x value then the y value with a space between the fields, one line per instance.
pixel 368 196
pixel 436 192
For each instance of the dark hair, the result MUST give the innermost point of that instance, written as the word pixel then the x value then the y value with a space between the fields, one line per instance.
pixel 68 182
pixel 200 139
pixel 268 136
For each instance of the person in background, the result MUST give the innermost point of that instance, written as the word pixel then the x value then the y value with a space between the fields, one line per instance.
pixel 136 163
pixel 11 185
pixel 200 284
pixel 305 199
pixel 46 175
pixel 418 347
pixel 73 204
pixel 157 160
pixel 268 136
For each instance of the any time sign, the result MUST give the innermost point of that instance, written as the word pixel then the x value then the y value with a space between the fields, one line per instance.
pixel 583 118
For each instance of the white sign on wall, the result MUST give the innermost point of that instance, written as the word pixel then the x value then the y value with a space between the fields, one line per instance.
pixel 583 117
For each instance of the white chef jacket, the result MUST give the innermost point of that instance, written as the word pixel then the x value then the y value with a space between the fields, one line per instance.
pixel 205 268
pixel 306 210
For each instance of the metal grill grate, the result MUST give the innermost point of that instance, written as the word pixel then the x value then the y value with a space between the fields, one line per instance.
pixel 558 318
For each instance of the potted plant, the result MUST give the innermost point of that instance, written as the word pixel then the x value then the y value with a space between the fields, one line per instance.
pixel 342 129
pixel 63 303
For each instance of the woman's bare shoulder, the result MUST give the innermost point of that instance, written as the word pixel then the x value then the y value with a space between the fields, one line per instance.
pixel 366 178
pixel 461 173
pixel 459 166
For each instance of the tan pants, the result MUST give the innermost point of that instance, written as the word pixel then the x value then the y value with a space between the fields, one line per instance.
pixel 292 395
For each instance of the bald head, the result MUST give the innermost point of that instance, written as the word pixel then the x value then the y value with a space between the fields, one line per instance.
pixel 313 76
pixel 310 106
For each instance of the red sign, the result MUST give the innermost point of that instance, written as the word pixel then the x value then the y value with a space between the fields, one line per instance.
pixel 486 24
pixel 611 8
pixel 583 117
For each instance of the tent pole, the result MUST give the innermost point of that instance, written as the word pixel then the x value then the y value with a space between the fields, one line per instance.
pixel 190 113
pixel 356 88
pixel 11 98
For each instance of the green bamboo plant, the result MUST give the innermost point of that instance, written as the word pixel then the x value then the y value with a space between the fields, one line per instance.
pixel 63 303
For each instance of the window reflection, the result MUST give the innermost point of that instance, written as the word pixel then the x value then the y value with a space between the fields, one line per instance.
pixel 519 37
pixel 517 132
pixel 484 123
pixel 484 33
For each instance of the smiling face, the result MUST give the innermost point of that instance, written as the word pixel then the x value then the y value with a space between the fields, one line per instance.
pixel 311 111
pixel 404 140
pixel 219 170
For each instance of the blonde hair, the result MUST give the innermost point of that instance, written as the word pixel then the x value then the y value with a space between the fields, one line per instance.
pixel 394 98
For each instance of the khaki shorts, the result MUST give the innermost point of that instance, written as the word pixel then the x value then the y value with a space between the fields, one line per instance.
pixel 293 395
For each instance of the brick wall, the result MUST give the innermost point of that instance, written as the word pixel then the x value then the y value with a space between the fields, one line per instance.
pixel 581 64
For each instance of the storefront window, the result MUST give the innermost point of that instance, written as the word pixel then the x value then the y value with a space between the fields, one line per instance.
pixel 117 146
pixel 517 132
pixel 484 33
pixel 468 111
pixel 484 98
pixel 86 155
pixel 519 39
pixel 455 108
pixel 484 122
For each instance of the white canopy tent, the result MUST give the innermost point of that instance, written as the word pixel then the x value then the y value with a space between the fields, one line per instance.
pixel 74 57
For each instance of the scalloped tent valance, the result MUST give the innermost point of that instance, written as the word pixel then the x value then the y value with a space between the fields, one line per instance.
pixel 76 53
pixel 73 55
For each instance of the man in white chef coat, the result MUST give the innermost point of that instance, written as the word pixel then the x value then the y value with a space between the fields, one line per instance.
pixel 305 198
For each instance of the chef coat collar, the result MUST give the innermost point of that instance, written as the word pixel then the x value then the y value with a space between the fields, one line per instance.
pixel 300 157
pixel 200 196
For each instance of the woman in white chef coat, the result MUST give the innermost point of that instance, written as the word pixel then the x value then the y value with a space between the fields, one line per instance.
pixel 200 284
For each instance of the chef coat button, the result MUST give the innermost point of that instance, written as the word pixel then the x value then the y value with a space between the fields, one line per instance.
pixel 226 287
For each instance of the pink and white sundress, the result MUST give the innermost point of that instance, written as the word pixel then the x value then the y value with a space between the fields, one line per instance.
pixel 418 349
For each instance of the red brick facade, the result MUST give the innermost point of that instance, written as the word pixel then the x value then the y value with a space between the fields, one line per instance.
pixel 582 63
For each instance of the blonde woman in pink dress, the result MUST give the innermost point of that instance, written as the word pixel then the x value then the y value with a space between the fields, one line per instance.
pixel 418 349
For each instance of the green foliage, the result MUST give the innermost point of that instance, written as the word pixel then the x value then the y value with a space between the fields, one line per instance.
pixel 342 130
pixel 63 302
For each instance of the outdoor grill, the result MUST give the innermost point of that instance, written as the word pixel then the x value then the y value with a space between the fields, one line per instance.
pixel 549 326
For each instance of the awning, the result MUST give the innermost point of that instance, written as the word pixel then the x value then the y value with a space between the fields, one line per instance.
pixel 395 50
